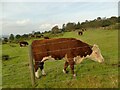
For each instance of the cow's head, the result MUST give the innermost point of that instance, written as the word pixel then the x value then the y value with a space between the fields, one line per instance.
pixel 96 54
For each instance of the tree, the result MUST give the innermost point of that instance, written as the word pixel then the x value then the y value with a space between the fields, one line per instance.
pixel 63 28
pixel 55 30
pixel 25 36
pixel 119 19
pixel 113 20
pixel 78 26
pixel 70 27
pixel 99 18
pixel 37 33
pixel 11 38
pixel 17 36
pixel 106 23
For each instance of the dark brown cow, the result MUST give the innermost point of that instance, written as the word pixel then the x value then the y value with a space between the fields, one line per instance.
pixel 72 50
pixel 23 43
pixel 80 33
pixel 46 38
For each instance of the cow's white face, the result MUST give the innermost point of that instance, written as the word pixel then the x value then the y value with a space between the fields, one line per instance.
pixel 96 54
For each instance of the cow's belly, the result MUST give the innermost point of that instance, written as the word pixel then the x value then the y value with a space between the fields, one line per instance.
pixel 52 57
pixel 76 59
pixel 47 58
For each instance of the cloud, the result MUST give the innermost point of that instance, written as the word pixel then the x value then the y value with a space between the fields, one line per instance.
pixel 26 17
pixel 17 26
pixel 23 22
pixel 48 26
pixel 44 26
pixel 59 0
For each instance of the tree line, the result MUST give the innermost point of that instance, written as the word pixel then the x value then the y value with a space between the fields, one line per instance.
pixel 109 23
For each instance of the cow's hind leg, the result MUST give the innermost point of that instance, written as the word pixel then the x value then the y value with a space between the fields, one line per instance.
pixel 65 66
pixel 41 65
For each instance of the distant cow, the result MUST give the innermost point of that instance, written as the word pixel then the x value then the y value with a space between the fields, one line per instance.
pixel 72 50
pixel 83 29
pixel 80 33
pixel 23 43
pixel 46 37
pixel 38 36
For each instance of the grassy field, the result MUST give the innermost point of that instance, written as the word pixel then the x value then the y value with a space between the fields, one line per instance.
pixel 16 74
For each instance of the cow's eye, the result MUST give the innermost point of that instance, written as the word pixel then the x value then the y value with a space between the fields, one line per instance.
pixel 95 52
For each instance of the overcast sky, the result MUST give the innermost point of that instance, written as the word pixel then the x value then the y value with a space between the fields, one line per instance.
pixel 25 17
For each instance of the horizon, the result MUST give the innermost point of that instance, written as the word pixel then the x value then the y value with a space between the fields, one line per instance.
pixel 22 17
pixel 7 35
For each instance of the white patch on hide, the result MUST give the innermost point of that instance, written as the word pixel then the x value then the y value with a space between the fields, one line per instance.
pixel 65 58
pixel 74 75
pixel 78 59
pixel 47 58
pixel 43 72
pixel 64 71
pixel 37 74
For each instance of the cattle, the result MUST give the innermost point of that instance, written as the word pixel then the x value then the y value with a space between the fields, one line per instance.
pixel 23 43
pixel 73 51
pixel 37 36
pixel 83 29
pixel 80 33
pixel 46 37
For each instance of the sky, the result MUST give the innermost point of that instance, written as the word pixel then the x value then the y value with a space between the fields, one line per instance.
pixel 25 17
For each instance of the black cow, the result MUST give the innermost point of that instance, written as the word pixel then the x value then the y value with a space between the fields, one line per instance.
pixel 80 33
pixel 23 44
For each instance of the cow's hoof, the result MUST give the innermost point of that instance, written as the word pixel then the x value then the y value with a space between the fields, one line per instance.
pixel 37 75
pixel 65 71
pixel 44 74
pixel 74 76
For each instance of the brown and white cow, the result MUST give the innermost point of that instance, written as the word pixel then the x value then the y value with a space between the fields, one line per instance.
pixel 72 50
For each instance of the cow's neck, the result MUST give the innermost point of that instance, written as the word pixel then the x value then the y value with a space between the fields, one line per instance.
pixel 79 59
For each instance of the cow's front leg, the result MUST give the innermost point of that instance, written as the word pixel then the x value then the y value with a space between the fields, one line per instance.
pixel 65 66
pixel 36 70
pixel 41 65
pixel 71 62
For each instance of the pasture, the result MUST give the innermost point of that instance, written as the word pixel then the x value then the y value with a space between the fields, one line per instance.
pixel 16 73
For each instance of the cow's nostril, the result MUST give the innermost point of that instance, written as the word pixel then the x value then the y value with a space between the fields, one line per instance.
pixel 102 60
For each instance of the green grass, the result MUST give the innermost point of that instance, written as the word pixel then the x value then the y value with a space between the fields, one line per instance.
pixel 16 74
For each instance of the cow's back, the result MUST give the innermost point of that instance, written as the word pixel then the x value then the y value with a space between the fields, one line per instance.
pixel 58 48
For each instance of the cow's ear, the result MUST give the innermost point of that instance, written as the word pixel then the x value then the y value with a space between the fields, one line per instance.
pixel 94 47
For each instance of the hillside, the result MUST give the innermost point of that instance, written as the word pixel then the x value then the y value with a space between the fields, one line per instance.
pixel 16 73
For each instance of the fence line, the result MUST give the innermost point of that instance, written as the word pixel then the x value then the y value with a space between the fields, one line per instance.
pixel 56 43
pixel 49 51
pixel 61 50
pixel 31 66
